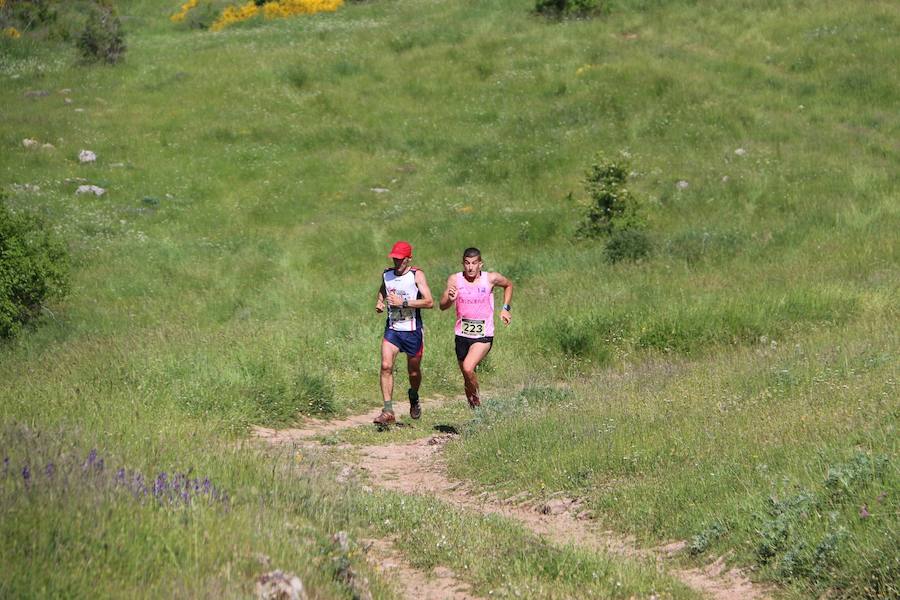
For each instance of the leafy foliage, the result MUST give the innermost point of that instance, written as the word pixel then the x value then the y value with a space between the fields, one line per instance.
pixel 613 207
pixel 102 39
pixel 567 8
pixel 34 266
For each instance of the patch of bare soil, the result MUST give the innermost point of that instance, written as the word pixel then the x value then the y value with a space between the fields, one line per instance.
pixel 315 427
pixel 439 584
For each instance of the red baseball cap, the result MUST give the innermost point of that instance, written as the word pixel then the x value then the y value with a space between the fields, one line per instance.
pixel 401 250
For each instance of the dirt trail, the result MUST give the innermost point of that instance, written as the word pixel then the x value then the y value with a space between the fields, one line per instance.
pixel 418 467
pixel 440 584
pixel 314 427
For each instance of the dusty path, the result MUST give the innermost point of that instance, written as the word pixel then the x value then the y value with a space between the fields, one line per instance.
pixel 440 584
pixel 418 467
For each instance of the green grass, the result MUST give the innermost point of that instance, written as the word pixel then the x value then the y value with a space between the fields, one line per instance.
pixel 227 278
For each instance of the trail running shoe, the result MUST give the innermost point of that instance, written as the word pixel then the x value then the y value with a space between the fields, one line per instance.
pixel 474 401
pixel 384 419
pixel 415 409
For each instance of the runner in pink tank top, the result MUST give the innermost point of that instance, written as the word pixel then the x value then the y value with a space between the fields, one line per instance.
pixel 472 292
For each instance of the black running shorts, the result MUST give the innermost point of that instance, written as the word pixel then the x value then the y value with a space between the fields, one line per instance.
pixel 463 344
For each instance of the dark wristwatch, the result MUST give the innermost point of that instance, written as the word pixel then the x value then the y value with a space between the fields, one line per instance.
pixel 507 307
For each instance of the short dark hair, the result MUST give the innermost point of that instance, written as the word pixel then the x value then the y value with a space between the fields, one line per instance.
pixel 471 252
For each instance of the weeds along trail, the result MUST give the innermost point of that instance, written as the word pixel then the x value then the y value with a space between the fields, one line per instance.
pixel 418 468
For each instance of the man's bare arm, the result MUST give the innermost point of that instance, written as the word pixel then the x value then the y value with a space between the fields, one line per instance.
pixel 379 299
pixel 498 280
pixel 449 295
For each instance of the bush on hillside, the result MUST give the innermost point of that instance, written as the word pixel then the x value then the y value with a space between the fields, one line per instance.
pixel 92 24
pixel 613 207
pixel 567 8
pixel 628 244
pixel 34 267
pixel 102 39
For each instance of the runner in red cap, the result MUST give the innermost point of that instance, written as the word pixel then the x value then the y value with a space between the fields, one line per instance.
pixel 405 292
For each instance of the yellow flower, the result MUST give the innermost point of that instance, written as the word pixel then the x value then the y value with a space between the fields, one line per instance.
pixel 11 32
pixel 183 11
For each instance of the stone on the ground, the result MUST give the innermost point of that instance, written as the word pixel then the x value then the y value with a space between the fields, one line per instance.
pixel 379 190
pixel 740 152
pixel 36 93
pixel 682 184
pixel 48 146
pixel 86 156
pixel 278 585
pixel 30 143
pixel 555 507
pixel 90 189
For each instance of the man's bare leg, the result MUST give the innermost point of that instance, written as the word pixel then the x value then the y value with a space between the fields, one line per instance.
pixel 476 354
pixel 388 356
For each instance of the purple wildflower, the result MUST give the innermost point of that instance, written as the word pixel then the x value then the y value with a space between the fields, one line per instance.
pixel 26 474
pixel 92 457
pixel 864 511
pixel 50 470
pixel 120 475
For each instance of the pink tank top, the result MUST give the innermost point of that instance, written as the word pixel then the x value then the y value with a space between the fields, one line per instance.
pixel 474 307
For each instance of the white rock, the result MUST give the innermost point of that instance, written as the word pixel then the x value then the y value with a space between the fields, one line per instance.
pixel 79 110
pixel 65 91
pixel 279 585
pixel 30 143
pixel 682 184
pixel 86 156
pixel 379 190
pixel 740 152
pixel 67 100
pixel 90 189
pixel 726 179
pixel 48 146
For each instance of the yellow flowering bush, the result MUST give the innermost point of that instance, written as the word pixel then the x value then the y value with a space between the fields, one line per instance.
pixel 276 9
pixel 235 14
pixel 288 8
pixel 183 11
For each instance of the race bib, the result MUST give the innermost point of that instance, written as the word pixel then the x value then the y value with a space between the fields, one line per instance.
pixel 472 328
pixel 402 314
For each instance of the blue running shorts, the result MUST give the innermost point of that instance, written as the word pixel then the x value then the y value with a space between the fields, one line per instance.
pixel 410 342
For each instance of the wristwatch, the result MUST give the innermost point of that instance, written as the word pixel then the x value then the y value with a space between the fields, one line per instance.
pixel 507 307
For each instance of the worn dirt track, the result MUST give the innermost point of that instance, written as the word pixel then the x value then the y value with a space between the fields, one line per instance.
pixel 418 467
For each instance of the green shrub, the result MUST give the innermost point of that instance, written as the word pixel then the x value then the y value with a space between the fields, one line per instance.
pixel 627 244
pixel 102 39
pixel 34 267
pixel 567 8
pixel 612 206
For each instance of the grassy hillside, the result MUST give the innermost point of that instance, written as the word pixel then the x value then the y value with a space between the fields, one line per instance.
pixel 739 385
